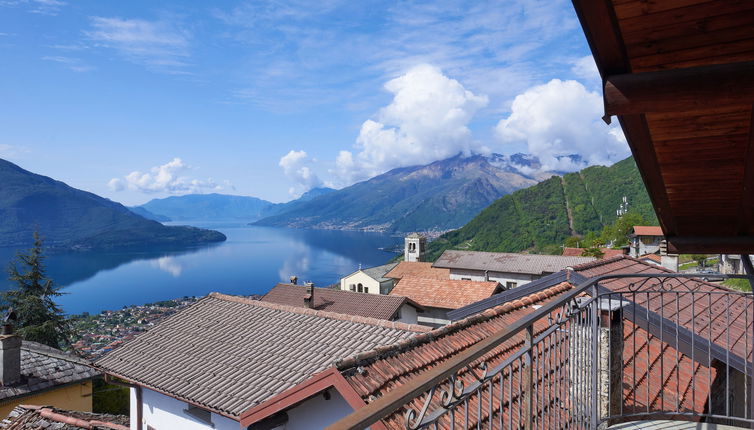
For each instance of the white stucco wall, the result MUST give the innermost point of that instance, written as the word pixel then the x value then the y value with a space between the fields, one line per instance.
pixel 433 317
pixel 317 413
pixel 166 413
pixel 360 277
pixel 478 275
pixel 408 314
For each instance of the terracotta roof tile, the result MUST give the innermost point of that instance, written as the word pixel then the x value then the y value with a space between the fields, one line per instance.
pixel 577 252
pixel 25 417
pixel 375 373
pixel 227 353
pixel 377 306
pixel 419 270
pixel 444 293
pixel 651 257
pixel 648 230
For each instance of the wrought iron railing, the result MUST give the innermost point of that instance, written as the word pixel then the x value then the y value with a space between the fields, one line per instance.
pixel 615 348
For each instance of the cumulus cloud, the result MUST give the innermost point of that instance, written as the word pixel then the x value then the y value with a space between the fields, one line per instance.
pixel 155 44
pixel 560 122
pixel 294 165
pixel 586 69
pixel 167 178
pixel 427 120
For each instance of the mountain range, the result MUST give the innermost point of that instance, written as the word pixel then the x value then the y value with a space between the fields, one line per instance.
pixel 541 217
pixel 439 196
pixel 69 218
pixel 213 207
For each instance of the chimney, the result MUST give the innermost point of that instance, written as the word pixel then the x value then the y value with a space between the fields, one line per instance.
pixel 294 280
pixel 10 353
pixel 309 297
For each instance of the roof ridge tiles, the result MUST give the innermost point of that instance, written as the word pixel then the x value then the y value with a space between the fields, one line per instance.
pixel 324 314
pixel 598 262
pixel 422 338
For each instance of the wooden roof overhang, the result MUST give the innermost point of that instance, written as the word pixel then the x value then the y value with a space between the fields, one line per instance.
pixel 679 75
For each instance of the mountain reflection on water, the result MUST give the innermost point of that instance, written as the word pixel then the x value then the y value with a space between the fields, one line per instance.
pixel 251 261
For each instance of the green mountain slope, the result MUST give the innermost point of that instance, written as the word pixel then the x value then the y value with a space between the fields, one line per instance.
pixel 441 195
pixel 71 218
pixel 538 216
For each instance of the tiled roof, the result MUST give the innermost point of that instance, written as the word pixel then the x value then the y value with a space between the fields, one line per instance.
pixel 444 293
pixel 227 353
pixel 686 383
pixel 26 417
pixel 652 257
pixel 577 252
pixel 43 367
pixel 343 302
pixel 378 273
pixel 725 319
pixel 419 270
pixel 648 230
pixel 534 264
pixel 376 373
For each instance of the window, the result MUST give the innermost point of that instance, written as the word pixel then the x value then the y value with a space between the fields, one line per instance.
pixel 366 289
pixel 360 288
pixel 465 279
pixel 509 285
pixel 352 287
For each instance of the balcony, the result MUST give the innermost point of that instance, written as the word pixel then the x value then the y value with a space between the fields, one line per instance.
pixel 619 350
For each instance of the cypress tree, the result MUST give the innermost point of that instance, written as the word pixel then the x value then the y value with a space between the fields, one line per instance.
pixel 40 319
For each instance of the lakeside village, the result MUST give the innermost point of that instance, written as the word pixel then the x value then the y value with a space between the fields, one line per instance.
pixel 164 364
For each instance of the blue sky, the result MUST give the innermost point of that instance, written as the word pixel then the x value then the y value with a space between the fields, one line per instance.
pixel 142 99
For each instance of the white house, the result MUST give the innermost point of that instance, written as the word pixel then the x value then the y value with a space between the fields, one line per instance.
pixel 510 270
pixel 230 362
pixel 645 240
pixel 371 280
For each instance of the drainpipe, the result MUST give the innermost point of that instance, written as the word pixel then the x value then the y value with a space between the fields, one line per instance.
pixel 139 404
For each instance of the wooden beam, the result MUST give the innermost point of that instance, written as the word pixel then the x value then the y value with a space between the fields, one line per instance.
pixel 675 90
pixel 746 210
pixel 710 244
pixel 637 134
pixel 601 29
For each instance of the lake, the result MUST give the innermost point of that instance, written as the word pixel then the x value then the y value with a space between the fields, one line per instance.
pixel 251 261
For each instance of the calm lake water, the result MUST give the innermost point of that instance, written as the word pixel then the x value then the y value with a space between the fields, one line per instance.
pixel 251 261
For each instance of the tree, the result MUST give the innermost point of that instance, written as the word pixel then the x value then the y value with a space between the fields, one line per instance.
pixel 593 252
pixel 701 259
pixel 33 299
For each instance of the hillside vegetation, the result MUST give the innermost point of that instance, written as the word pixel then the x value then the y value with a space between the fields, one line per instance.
pixel 536 219
pixel 69 218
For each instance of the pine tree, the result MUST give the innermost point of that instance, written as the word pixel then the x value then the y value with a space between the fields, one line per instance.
pixel 40 319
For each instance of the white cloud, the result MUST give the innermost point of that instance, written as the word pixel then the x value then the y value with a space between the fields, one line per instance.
pixel 71 63
pixel 560 119
pixel 295 168
pixel 586 69
pixel 44 7
pixel 427 120
pixel 167 178
pixel 156 44
pixel 10 151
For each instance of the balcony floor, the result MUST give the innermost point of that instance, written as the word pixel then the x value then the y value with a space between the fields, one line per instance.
pixel 670 425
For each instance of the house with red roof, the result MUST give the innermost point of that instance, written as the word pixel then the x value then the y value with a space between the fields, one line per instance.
pixel 438 296
pixel 645 239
